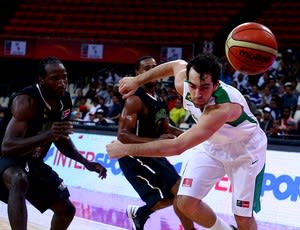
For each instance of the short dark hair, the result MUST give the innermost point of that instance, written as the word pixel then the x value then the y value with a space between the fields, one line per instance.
pixel 45 61
pixel 205 64
pixel 138 62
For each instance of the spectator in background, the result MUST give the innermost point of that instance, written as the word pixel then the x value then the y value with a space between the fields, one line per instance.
pixel 291 130
pixel 94 106
pixel 100 117
pixel 77 97
pixel 255 96
pixel 113 78
pixel 266 97
pixel 276 130
pixel 287 120
pixel 273 85
pixel 241 82
pixel 263 80
pixel 103 106
pixel 267 121
pixel 275 105
pixel 177 114
pixel 92 91
pixel 251 105
pixel 114 111
pixel 76 116
pixel 103 92
pixel 82 105
pixel 258 114
pixel 289 99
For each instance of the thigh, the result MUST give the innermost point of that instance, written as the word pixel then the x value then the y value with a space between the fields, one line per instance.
pixel 8 168
pixel 151 178
pixel 200 174
pixel 46 186
pixel 246 178
pixel 157 172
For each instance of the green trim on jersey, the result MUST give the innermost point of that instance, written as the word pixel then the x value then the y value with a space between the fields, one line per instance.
pixel 221 96
pixel 242 118
pixel 257 192
pixel 188 97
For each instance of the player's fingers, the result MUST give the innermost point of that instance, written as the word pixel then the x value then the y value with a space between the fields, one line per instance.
pixel 126 95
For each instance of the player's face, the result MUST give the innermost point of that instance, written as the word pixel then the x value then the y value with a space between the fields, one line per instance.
pixel 56 80
pixel 146 65
pixel 201 89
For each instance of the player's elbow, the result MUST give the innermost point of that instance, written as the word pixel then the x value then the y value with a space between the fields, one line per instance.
pixel 123 136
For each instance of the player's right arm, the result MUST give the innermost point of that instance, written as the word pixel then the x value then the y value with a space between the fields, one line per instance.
pixel 15 143
pixel 177 69
pixel 128 122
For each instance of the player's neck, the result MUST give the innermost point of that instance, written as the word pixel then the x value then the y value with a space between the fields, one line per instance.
pixel 150 91
pixel 50 103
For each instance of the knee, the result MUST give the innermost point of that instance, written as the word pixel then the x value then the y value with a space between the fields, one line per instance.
pixel 184 204
pixel 68 210
pixel 16 180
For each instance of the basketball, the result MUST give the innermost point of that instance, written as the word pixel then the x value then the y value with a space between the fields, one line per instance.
pixel 251 48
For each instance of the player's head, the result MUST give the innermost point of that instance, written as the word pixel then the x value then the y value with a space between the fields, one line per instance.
pixel 144 64
pixel 205 64
pixel 203 73
pixel 53 77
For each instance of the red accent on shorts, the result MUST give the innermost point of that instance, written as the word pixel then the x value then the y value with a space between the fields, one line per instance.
pixel 187 182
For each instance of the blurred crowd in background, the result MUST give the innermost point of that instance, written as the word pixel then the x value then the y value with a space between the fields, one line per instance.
pixel 274 97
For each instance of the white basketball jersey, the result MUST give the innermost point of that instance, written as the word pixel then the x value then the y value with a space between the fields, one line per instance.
pixel 232 132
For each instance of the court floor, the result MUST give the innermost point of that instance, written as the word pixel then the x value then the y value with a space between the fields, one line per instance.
pixel 38 221
pixel 93 209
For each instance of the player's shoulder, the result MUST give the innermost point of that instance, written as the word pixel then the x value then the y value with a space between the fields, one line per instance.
pixel 23 106
pixel 133 100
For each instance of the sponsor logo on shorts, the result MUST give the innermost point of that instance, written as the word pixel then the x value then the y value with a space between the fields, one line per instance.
pixel 243 203
pixel 187 182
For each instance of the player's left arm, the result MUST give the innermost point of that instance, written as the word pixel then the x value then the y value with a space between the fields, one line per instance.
pixel 211 120
pixel 67 147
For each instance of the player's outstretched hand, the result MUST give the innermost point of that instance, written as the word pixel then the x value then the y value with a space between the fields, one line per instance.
pixel 115 149
pixel 96 167
pixel 128 86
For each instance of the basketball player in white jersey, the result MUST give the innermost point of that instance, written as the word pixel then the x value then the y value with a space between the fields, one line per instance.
pixel 227 139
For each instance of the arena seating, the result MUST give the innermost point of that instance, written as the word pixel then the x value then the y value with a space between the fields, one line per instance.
pixel 132 20
pixel 283 18
pixel 159 22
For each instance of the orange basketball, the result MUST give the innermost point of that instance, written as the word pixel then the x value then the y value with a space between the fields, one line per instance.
pixel 251 48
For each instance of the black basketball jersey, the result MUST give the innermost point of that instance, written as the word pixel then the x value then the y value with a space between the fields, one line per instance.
pixel 45 117
pixel 152 124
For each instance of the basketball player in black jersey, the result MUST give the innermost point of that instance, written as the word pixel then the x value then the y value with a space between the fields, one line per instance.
pixel 39 116
pixel 144 118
